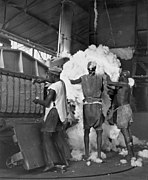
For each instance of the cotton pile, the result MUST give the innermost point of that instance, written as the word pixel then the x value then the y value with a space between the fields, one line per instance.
pixel 107 63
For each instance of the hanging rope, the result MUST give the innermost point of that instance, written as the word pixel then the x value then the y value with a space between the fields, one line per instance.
pixel 96 15
pixel 109 23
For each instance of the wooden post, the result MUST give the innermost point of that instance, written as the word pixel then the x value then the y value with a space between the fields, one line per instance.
pixel 65 25
pixel 134 60
pixel 1 59
pixel 20 65
pixel 36 68
pixel 147 27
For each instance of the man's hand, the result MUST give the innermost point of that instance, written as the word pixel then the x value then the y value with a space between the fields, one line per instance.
pixel 36 100
pixel 65 123
pixel 34 81
pixel 37 81
pixel 4 126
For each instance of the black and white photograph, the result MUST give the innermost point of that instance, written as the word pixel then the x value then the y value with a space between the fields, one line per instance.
pixel 74 89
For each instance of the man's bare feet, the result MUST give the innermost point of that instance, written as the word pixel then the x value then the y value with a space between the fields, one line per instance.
pixel 85 157
pixel 49 168
pixel 61 168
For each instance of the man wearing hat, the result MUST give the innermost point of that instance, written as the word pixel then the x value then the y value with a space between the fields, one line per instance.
pixel 55 147
pixel 92 87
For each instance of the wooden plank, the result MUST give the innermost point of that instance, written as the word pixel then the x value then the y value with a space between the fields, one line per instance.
pixel 17 95
pixel 29 140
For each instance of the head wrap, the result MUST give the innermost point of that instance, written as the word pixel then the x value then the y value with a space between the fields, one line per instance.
pixel 55 70
pixel 91 65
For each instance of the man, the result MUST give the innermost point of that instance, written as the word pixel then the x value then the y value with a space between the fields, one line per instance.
pixel 46 82
pixel 55 146
pixel 124 111
pixel 92 109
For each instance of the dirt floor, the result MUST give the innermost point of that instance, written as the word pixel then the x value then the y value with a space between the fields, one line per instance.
pixel 111 169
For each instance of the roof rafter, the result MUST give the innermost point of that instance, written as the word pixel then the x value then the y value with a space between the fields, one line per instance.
pixel 78 4
pixel 27 42
pixel 22 10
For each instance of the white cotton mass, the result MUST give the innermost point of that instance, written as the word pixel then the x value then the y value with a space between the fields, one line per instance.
pixel 131 82
pixel 136 162
pixel 107 63
pixel 123 161
pixel 143 153
pixel 111 131
pixel 124 53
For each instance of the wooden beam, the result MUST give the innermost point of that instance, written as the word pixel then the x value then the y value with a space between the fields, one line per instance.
pixel 143 59
pixel 5 41
pixel 143 66
pixel 118 4
pixel 75 37
pixel 79 5
pixel 21 10
pixel 26 42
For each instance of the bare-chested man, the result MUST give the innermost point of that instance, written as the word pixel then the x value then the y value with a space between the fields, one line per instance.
pixel 124 111
pixel 92 86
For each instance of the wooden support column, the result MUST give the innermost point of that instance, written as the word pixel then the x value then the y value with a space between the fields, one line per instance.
pixel 36 68
pixel 20 63
pixel 1 59
pixel 134 60
pixel 143 66
pixel 134 66
pixel 65 26
pixel 147 25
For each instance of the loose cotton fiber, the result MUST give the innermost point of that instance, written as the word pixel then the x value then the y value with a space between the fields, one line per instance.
pixel 107 63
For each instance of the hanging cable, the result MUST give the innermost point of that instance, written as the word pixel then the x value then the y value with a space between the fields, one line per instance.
pixel 96 15
pixel 109 23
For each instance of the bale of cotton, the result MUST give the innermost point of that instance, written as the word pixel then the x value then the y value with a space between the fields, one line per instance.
pixel 107 63
pixel 138 141
pixel 136 162
pixel 123 152
pixel 75 135
pixel 119 141
pixel 124 53
pixel 131 82
pixel 76 155
pixel 123 161
pixel 88 163
pixel 143 153
pixel 111 131
pixel 93 157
